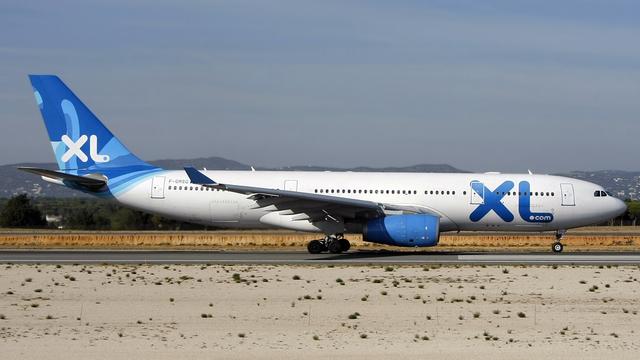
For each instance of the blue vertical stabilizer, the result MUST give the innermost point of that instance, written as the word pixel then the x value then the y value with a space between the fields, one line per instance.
pixel 81 143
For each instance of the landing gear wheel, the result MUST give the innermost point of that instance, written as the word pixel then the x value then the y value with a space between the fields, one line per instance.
pixel 345 245
pixel 335 247
pixel 557 247
pixel 315 247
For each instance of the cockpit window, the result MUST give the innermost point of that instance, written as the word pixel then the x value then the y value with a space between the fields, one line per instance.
pixel 599 193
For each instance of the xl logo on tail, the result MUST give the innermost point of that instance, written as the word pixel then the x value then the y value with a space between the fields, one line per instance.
pixel 75 149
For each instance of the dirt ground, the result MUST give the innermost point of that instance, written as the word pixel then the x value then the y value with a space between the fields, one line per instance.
pixel 312 312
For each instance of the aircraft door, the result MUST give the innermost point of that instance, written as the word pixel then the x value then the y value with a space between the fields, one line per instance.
pixel 568 196
pixel 477 193
pixel 291 185
pixel 157 187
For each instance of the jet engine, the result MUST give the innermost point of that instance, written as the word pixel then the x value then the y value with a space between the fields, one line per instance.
pixel 403 230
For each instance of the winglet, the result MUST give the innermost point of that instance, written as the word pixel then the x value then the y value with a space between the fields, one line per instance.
pixel 197 177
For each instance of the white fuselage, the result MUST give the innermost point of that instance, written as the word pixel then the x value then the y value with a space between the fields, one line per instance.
pixel 550 202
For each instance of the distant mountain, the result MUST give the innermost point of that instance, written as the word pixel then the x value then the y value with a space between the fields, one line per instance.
pixel 13 181
pixel 211 163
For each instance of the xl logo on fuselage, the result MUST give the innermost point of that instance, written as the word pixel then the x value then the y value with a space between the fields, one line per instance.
pixel 75 149
pixel 492 201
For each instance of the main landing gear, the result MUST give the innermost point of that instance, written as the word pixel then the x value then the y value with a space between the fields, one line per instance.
pixel 334 244
pixel 557 246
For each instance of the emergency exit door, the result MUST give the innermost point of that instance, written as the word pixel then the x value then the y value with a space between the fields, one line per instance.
pixel 568 197
pixel 477 193
pixel 157 187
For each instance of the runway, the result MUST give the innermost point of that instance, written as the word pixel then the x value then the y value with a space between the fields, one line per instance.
pixel 303 258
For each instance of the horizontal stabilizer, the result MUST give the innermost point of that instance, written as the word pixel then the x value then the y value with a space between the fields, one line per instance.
pixel 92 182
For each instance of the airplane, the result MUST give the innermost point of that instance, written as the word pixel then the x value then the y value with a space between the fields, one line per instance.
pixel 399 209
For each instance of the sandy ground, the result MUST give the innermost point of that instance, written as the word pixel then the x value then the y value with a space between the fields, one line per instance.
pixel 238 312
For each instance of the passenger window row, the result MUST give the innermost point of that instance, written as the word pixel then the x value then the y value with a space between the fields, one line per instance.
pixel 441 192
pixel 598 193
pixel 196 188
pixel 393 192
pixel 361 191
pixel 526 193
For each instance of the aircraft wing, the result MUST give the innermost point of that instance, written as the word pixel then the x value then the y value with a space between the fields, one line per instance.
pixel 308 206
pixel 89 181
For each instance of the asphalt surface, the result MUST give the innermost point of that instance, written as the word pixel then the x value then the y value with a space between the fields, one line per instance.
pixel 303 258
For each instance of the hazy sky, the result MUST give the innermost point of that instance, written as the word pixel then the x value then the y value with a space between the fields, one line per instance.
pixel 481 85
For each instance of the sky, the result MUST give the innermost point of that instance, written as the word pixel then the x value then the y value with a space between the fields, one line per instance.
pixel 551 86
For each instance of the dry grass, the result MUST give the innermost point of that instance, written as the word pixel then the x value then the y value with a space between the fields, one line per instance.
pixel 581 239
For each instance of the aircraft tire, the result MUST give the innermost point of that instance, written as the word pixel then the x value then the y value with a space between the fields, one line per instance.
pixel 345 245
pixel 315 247
pixel 335 247
pixel 557 247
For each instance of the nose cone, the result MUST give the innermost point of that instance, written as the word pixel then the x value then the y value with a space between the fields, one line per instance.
pixel 619 207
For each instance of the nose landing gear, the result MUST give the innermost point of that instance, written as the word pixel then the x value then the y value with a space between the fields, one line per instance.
pixel 335 244
pixel 557 247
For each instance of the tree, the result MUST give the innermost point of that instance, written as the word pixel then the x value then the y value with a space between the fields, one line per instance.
pixel 633 211
pixel 19 212
pixel 84 218
pixel 127 219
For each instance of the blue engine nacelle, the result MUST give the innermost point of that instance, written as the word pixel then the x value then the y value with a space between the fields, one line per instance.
pixel 403 230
